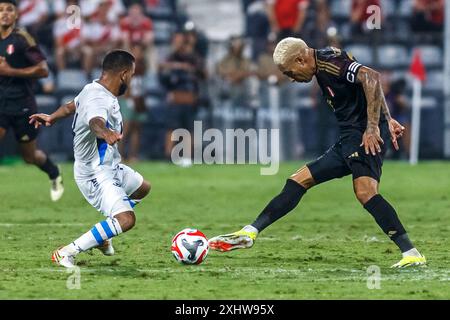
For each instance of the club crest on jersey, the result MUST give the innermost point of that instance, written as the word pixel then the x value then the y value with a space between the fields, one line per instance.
pixel 10 49
pixel 331 92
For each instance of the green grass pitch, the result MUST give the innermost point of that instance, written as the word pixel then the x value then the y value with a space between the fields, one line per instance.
pixel 321 250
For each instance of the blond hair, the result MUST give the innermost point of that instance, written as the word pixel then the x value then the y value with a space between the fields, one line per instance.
pixel 287 49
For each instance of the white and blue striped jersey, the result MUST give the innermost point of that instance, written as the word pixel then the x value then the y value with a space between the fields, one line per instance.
pixel 93 155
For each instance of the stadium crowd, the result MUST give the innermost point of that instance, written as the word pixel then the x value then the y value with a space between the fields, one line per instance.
pixel 174 73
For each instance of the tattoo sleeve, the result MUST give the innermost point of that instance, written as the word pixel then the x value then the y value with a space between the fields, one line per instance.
pixel 98 127
pixel 370 81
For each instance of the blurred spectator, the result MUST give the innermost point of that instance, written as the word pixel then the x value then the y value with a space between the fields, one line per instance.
pixel 267 70
pixel 180 75
pixel 137 30
pixel 257 26
pixel 33 15
pixel 197 39
pixel 319 32
pixel 67 40
pixel 428 15
pixel 234 70
pixel 133 109
pixel 59 7
pixel 287 17
pixel 359 15
pixel 115 9
pixel 98 36
pixel 397 102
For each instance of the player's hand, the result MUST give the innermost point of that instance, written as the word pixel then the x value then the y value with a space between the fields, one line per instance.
pixel 396 130
pixel 111 137
pixel 40 119
pixel 371 140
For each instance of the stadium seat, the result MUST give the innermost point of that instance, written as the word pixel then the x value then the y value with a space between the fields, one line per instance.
pixel 431 55
pixel 163 31
pixel 405 8
pixel 71 80
pixel 388 8
pixel 362 53
pixel 341 8
pixel 392 56
pixel 434 81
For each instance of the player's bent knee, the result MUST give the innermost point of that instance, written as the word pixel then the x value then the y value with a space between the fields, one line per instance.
pixel 142 192
pixel 364 195
pixel 303 177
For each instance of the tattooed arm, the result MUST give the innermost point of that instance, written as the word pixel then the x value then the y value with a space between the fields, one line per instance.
pixel 98 127
pixel 370 81
pixel 376 102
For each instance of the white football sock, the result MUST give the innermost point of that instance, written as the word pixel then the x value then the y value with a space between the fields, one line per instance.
pixel 100 232
pixel 250 228
pixel 412 252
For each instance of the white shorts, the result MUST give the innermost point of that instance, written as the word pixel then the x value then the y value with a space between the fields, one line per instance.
pixel 109 191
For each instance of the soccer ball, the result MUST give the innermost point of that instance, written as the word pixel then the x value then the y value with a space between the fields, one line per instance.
pixel 190 246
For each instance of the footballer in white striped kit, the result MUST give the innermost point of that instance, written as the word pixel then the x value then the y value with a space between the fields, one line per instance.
pixel 108 185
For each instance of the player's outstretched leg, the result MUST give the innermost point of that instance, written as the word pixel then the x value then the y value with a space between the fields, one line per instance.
pixel 32 155
pixel 282 204
pixel 101 232
pixel 386 217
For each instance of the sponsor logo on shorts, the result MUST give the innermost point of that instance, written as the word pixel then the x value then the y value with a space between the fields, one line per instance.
pixel 25 138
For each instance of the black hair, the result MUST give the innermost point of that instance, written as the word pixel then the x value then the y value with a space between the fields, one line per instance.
pixel 13 2
pixel 118 60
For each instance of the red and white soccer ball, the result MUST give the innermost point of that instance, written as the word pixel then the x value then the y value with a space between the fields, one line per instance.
pixel 190 246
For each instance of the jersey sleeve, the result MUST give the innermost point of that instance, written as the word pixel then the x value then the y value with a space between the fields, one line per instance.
pixel 31 50
pixel 338 64
pixel 96 107
pixel 350 68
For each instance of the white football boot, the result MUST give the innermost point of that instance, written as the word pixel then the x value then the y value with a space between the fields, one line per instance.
pixel 62 258
pixel 57 188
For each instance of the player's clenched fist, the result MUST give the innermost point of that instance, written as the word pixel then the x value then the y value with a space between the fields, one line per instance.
pixel 111 137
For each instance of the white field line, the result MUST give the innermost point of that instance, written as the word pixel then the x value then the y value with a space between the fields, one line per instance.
pixel 294 238
pixel 31 224
pixel 358 275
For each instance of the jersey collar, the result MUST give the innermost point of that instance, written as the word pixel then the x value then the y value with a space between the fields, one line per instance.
pixel 96 81
pixel 315 61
